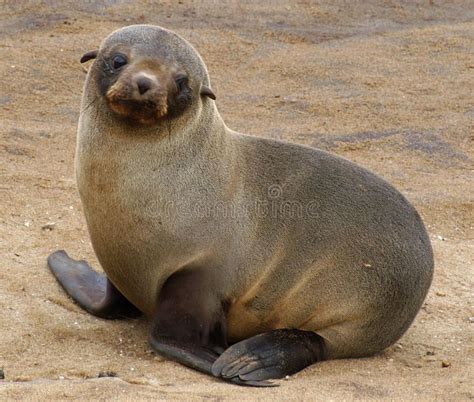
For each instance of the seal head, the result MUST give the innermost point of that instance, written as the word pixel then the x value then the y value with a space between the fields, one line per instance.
pixel 141 80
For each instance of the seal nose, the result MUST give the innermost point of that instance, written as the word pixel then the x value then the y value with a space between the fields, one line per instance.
pixel 143 84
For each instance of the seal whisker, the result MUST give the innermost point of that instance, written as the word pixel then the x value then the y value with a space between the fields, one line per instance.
pixel 89 105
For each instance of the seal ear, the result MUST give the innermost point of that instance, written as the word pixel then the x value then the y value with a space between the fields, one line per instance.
pixel 206 91
pixel 89 56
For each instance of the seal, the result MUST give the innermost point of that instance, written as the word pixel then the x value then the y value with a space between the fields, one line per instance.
pixel 253 258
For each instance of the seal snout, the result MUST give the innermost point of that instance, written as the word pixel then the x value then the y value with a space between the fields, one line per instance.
pixel 140 94
pixel 143 84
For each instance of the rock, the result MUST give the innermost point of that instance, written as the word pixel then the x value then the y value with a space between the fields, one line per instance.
pixel 107 374
pixel 49 226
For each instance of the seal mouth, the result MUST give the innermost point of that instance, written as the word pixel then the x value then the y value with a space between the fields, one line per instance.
pixel 147 112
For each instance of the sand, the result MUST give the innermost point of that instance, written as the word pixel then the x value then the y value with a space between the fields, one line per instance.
pixel 386 84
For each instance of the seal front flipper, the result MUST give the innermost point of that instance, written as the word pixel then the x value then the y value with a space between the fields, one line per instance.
pixel 92 291
pixel 189 322
pixel 194 356
pixel 273 354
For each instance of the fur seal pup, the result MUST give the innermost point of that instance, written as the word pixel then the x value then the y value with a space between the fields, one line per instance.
pixel 253 258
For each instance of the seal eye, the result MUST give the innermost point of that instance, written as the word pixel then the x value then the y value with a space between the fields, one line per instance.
pixel 181 82
pixel 118 61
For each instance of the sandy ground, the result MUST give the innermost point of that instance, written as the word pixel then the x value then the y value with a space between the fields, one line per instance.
pixel 386 84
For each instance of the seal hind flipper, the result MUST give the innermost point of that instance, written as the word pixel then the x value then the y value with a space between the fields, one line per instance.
pixel 270 355
pixel 92 291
